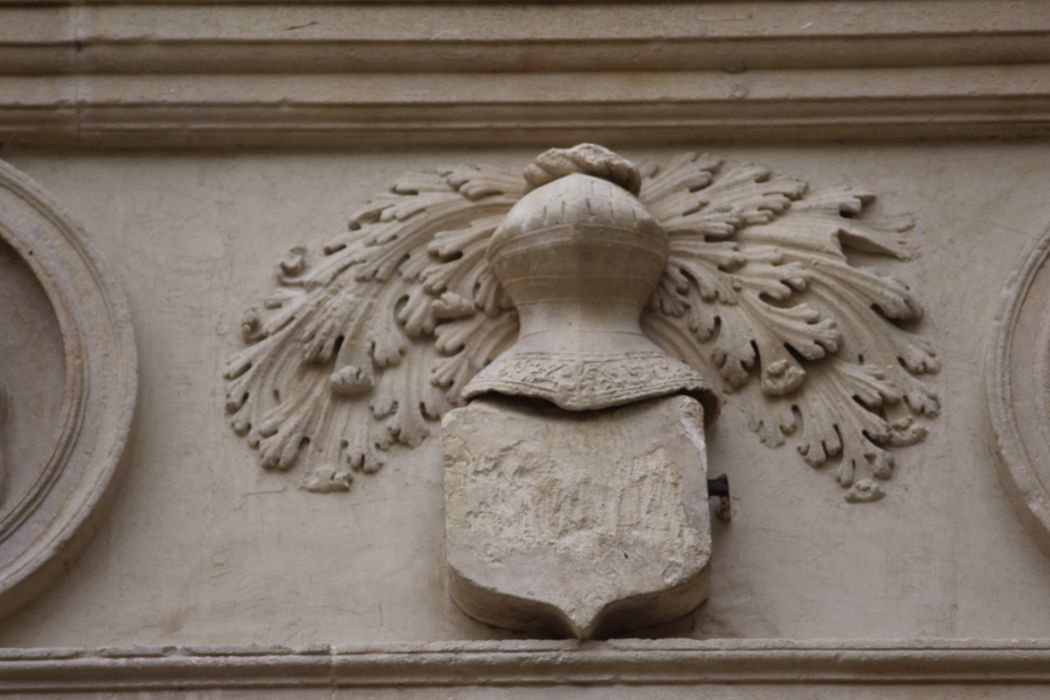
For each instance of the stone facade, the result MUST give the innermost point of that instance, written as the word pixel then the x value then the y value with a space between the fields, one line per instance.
pixel 163 157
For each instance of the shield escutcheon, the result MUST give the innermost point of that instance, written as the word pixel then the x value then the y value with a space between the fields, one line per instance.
pixel 579 524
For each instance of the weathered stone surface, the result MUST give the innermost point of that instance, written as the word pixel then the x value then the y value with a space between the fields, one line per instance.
pixel 577 523
pixel 192 236
pixel 203 549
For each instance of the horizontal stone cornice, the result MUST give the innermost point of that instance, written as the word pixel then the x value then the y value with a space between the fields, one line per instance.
pixel 525 663
pixel 254 110
pixel 525 37
pixel 307 74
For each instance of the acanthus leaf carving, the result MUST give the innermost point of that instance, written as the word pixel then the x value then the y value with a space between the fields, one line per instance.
pixel 335 373
pixel 838 375
pixel 368 340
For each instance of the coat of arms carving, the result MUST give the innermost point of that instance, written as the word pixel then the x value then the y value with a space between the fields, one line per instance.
pixel 577 325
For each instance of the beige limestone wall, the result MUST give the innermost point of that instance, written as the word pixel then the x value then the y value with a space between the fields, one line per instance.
pixel 203 547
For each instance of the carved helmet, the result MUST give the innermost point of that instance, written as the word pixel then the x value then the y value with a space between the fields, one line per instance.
pixel 579 256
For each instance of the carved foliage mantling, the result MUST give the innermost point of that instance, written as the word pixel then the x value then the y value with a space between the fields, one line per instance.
pixel 759 288
pixel 366 341
pixel 347 322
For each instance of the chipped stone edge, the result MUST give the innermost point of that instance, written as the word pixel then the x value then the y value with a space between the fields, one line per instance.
pixel 528 663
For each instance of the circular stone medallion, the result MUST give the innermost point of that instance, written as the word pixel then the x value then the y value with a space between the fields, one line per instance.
pixel 68 378
pixel 1018 388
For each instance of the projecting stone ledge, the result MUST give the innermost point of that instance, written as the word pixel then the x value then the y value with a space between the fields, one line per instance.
pixel 577 524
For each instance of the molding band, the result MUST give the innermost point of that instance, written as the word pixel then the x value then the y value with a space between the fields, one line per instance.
pixel 317 37
pixel 490 109
pixel 525 663
pixel 232 74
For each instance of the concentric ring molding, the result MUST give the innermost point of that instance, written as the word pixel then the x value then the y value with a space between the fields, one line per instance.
pixel 1017 386
pixel 56 516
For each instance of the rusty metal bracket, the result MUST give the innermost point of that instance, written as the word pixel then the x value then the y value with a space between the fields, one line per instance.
pixel 718 487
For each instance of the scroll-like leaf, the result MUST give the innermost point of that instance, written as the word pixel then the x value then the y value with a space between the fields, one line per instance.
pixel 759 284
pixel 341 362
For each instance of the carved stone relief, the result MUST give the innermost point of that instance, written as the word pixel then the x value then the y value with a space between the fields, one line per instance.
pixel 530 493
pixel 588 284
pixel 372 336
pixel 1018 389
pixel 67 388
pixel 533 488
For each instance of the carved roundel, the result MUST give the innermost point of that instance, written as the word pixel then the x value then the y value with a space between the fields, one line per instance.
pixel 68 378
pixel 1018 386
